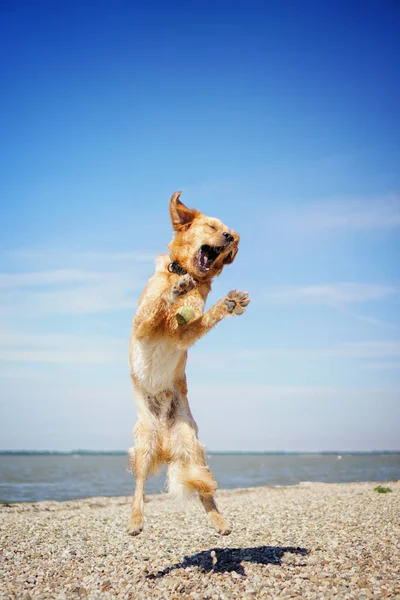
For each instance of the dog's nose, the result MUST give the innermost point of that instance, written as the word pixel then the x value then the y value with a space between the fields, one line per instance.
pixel 227 236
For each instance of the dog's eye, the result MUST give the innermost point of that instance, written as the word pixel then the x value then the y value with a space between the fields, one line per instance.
pixel 212 227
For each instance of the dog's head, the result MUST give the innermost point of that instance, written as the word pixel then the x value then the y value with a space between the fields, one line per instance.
pixel 202 245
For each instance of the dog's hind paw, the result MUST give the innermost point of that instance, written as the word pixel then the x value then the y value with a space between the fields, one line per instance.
pixel 135 526
pixel 220 524
pixel 236 302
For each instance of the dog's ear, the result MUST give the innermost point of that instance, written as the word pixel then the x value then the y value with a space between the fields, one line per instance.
pixel 181 215
pixel 231 256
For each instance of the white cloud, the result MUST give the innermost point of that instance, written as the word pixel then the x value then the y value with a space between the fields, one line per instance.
pixel 28 347
pixel 364 214
pixel 31 347
pixel 39 279
pixel 143 257
pixel 373 356
pixel 71 284
pixel 376 349
pixel 75 283
pixel 21 372
pixel 253 360
pixel 110 294
pixel 379 349
pixel 382 366
pixel 335 294
pixel 260 392
pixel 44 256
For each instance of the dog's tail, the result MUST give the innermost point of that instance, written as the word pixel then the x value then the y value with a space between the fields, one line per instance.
pixel 184 480
pixel 131 456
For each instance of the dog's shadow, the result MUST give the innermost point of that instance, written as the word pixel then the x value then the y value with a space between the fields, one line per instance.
pixel 223 560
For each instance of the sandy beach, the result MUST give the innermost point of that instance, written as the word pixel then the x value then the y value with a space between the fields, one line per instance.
pixel 313 540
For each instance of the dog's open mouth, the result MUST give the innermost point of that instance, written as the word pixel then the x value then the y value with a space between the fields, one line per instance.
pixel 206 256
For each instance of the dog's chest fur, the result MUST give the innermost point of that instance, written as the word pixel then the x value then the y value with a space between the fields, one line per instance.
pixel 154 360
pixel 154 363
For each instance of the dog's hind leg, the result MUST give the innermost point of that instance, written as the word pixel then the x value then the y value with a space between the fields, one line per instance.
pixel 144 460
pixel 188 471
pixel 217 520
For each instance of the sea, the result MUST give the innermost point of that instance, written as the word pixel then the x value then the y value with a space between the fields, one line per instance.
pixel 31 477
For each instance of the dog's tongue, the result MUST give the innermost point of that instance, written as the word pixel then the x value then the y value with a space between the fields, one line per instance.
pixel 204 259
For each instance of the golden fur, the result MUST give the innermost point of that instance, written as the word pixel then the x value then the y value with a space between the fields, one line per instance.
pixel 165 431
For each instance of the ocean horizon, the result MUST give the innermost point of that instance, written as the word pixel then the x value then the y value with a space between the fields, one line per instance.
pixel 83 452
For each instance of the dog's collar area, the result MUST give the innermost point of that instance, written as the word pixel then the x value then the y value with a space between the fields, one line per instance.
pixel 175 267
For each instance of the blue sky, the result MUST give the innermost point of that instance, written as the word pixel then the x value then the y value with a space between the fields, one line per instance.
pixel 280 118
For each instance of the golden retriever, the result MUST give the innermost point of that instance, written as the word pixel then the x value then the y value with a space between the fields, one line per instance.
pixel 170 318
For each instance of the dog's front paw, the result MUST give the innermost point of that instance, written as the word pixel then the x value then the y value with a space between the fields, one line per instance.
pixel 184 284
pixel 236 302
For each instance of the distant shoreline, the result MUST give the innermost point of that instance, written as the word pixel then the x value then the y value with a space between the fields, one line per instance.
pixel 62 476
pixel 210 452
